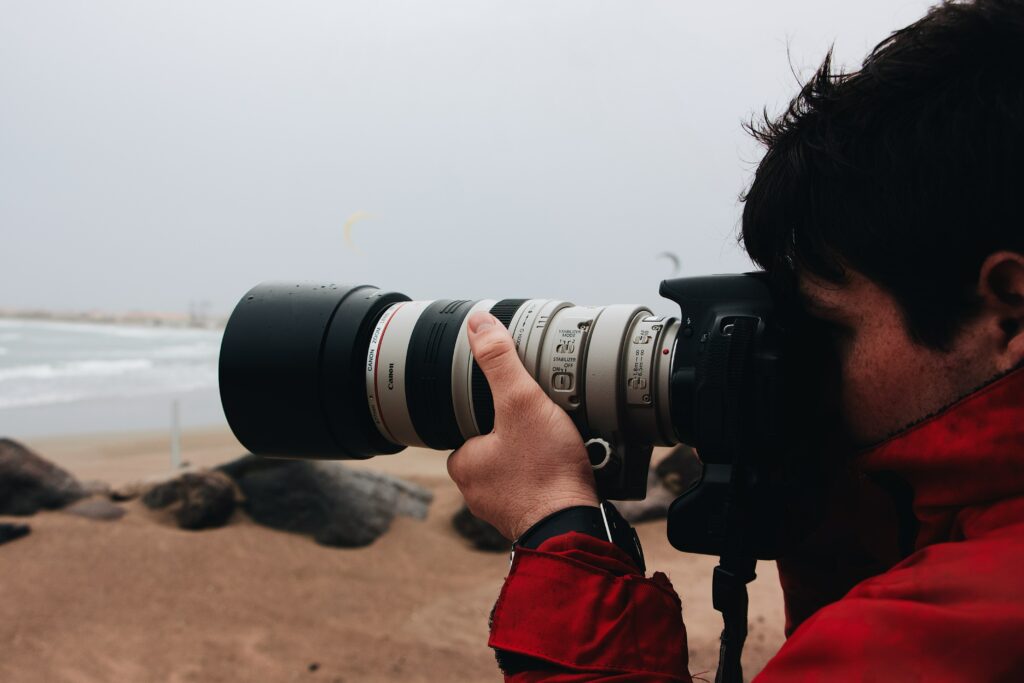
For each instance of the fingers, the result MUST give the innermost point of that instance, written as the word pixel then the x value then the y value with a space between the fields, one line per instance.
pixel 495 353
pixel 494 350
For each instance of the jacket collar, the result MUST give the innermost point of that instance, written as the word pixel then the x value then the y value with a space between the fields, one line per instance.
pixel 969 454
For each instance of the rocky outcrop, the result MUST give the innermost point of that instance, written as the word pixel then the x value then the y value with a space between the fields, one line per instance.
pixel 29 483
pixel 197 500
pixel 336 505
pixel 9 532
pixel 482 535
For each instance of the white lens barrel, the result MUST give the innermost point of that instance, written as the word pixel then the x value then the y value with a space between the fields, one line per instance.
pixel 605 378
pixel 385 372
pixel 563 356
pixel 608 367
pixel 648 366
pixel 529 326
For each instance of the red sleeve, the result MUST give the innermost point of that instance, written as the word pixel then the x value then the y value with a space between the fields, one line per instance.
pixel 577 609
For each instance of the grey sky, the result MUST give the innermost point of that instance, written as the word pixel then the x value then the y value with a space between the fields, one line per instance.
pixel 156 153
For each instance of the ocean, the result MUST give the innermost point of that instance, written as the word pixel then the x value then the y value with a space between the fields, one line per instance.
pixel 59 378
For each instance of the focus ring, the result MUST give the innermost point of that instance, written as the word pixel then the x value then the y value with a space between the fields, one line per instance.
pixel 483 401
pixel 428 373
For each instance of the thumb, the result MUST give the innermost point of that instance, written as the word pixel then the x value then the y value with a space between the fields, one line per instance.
pixel 495 353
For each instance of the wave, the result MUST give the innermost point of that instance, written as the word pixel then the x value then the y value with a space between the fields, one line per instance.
pixel 83 368
pixel 106 329
pixel 43 398
pixel 70 396
pixel 135 332
pixel 163 354
pixel 201 350
pixel 97 380
pixel 57 362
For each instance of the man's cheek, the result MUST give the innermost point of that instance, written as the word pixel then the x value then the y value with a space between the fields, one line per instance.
pixel 854 418
pixel 866 398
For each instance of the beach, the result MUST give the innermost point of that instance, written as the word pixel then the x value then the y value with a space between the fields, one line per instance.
pixel 139 599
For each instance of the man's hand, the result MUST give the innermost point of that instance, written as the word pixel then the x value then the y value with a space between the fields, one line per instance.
pixel 534 462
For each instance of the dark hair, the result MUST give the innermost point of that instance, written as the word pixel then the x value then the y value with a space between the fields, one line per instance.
pixel 909 170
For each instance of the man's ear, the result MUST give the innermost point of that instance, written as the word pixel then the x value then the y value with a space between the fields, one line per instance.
pixel 1001 287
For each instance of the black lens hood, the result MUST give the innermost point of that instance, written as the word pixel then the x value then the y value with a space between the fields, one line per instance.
pixel 292 370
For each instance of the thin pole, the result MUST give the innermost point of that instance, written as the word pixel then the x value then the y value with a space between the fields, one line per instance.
pixel 175 435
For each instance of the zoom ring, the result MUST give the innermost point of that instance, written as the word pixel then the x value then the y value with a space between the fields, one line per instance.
pixel 483 401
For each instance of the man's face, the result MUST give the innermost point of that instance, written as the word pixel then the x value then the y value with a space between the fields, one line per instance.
pixel 887 380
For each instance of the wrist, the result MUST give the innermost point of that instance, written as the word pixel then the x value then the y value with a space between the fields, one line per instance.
pixel 602 521
pixel 548 509
pixel 560 521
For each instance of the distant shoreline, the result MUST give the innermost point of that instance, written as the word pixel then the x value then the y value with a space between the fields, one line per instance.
pixel 137 318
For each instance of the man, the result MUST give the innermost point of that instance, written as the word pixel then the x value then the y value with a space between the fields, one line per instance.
pixel 892 196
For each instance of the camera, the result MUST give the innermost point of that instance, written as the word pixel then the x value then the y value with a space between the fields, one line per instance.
pixel 311 370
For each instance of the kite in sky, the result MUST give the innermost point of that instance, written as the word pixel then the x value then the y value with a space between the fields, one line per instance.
pixel 351 221
pixel 676 263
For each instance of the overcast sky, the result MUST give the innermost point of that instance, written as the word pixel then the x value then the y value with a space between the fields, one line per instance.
pixel 158 153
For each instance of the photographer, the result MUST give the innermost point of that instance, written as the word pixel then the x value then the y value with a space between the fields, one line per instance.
pixel 892 198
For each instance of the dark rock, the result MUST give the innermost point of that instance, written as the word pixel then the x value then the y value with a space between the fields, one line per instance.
pixel 99 509
pixel 207 500
pixel 198 500
pixel 336 505
pixel 9 532
pixel 482 535
pixel 29 483
pixel 161 495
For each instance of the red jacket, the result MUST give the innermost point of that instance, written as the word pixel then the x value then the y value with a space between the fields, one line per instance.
pixel 577 610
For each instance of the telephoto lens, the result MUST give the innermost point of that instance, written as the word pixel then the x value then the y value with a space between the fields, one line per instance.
pixel 336 371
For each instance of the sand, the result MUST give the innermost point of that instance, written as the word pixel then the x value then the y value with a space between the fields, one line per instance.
pixel 139 600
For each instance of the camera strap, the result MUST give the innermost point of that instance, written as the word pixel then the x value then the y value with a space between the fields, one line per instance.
pixel 736 563
pixel 729 596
